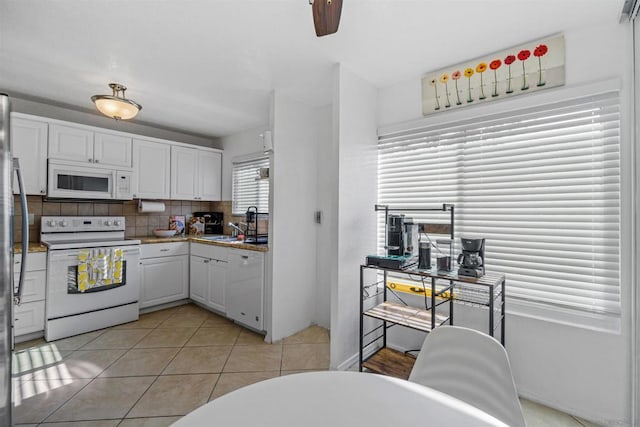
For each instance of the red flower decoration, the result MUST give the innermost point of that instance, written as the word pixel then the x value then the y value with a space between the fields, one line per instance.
pixel 455 75
pixel 495 64
pixel 509 59
pixel 540 50
pixel 524 54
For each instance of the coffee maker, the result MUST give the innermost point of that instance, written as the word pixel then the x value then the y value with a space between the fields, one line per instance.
pixel 402 236
pixel 471 259
pixel 213 221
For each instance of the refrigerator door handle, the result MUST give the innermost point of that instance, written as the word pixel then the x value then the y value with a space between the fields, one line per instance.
pixel 17 296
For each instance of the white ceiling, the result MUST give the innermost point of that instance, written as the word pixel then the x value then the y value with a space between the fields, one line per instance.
pixel 207 67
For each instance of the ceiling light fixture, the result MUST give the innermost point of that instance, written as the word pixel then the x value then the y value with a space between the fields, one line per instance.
pixel 116 106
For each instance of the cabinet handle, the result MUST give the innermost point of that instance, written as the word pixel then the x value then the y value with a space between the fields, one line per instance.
pixel 245 256
pixel 90 160
pixel 43 191
pixel 96 161
pixel 164 250
pixel 207 261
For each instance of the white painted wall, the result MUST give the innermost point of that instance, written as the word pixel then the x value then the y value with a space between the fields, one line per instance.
pixel 635 397
pixel 293 234
pixel 239 144
pixel 580 371
pixel 354 110
pixel 327 233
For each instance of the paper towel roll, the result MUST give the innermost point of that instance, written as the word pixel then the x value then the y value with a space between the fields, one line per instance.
pixel 147 206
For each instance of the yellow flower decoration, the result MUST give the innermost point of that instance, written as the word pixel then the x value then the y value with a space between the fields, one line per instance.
pixel 444 78
pixel 482 67
pixel 468 72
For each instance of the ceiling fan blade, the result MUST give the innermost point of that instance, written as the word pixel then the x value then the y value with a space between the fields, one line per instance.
pixel 326 16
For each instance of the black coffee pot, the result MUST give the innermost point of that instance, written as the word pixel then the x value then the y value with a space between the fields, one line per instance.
pixel 471 259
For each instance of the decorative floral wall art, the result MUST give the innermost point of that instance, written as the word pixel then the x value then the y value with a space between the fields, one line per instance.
pixel 522 69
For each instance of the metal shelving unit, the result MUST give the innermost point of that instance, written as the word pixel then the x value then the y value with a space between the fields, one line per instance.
pixel 444 287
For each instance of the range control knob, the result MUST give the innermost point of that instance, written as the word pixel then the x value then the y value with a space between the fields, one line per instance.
pixel 108 223
pixel 63 223
pixel 117 223
pixel 51 223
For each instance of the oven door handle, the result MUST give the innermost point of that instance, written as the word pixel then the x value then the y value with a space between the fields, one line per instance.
pixel 17 296
pixel 55 255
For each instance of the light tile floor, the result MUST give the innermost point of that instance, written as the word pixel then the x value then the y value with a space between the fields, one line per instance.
pixel 169 362
pixel 152 371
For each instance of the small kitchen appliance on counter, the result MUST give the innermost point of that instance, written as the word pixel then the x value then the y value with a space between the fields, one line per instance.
pixel 213 221
pixel 471 259
pixel 402 240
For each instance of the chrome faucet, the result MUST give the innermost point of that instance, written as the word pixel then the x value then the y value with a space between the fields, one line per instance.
pixel 237 230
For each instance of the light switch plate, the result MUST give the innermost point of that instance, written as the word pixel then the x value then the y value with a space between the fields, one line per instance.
pixel 32 219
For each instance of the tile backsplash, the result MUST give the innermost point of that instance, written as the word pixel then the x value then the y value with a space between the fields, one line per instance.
pixel 225 208
pixel 137 224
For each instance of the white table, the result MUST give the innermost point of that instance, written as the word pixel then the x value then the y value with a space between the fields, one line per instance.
pixel 333 398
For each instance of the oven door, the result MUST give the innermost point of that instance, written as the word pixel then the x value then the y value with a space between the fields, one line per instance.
pixel 63 297
pixel 74 181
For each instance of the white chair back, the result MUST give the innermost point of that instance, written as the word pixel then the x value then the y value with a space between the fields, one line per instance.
pixel 471 366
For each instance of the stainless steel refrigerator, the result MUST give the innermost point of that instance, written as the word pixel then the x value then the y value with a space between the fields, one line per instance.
pixel 10 293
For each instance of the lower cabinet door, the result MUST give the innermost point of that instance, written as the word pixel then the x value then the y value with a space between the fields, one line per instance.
pixel 163 280
pixel 28 318
pixel 199 279
pixel 217 285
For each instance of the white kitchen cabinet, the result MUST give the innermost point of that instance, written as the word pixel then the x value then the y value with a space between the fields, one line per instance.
pixel 184 170
pixel 245 288
pixel 70 143
pixel 83 145
pixel 29 144
pixel 164 273
pixel 112 150
pixel 195 174
pixel 199 279
pixel 217 285
pixel 28 317
pixel 209 275
pixel 151 170
pixel 209 175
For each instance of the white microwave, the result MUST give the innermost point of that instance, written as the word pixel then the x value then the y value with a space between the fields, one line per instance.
pixel 73 180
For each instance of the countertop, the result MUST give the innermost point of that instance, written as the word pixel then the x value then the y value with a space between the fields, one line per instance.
pixel 33 247
pixel 247 246
pixel 39 247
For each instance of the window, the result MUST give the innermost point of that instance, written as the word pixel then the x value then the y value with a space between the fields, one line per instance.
pixel 541 184
pixel 248 188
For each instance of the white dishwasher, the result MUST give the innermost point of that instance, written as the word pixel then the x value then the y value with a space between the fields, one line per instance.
pixel 245 288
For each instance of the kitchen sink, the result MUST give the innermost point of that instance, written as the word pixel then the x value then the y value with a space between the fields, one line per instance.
pixel 227 239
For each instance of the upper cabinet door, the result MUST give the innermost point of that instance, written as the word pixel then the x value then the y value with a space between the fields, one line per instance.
pixel 151 169
pixel 29 144
pixel 112 150
pixel 184 172
pixel 209 175
pixel 70 143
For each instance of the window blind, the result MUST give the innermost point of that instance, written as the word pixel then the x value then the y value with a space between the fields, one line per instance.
pixel 541 184
pixel 247 188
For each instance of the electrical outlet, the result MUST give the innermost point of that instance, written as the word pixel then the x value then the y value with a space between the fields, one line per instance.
pixel 32 219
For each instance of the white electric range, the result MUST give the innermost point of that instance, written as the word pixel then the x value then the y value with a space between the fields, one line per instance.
pixel 93 279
